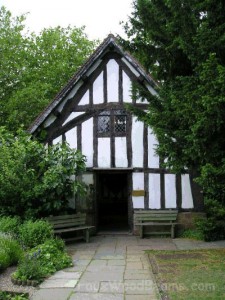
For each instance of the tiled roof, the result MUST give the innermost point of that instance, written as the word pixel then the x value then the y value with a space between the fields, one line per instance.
pixel 74 79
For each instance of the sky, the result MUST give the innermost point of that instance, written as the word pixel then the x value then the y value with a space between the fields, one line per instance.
pixel 100 17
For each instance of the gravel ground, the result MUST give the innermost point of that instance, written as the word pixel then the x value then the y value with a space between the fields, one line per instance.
pixel 7 285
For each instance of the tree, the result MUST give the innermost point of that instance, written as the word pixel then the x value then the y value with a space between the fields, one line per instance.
pixel 37 181
pixel 33 68
pixel 182 44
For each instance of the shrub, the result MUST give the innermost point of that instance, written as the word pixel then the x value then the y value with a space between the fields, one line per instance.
pixel 37 181
pixel 33 233
pixel 9 225
pixel 10 251
pixel 13 296
pixel 52 256
pixel 195 234
pixel 43 260
pixel 213 227
pixel 29 268
pixel 4 259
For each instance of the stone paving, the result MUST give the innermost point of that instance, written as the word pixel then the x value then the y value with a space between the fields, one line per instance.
pixel 111 268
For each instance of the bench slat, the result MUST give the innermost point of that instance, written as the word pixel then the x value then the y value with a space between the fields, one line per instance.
pixel 156 218
pixel 155 211
pixel 62 217
pixel 78 222
pixel 73 229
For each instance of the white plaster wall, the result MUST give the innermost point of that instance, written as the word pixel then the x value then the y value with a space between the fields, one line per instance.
pixel 104 152
pixel 121 152
pixel 138 184
pixel 153 158
pixel 71 137
pixel 137 143
pixel 87 141
pixel 88 178
pixel 72 116
pixel 127 88
pixel 170 191
pixel 113 81
pixel 57 140
pixel 85 99
pixel 98 96
pixel 187 199
pixel 154 191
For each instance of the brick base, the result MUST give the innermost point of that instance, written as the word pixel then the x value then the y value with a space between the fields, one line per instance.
pixel 187 220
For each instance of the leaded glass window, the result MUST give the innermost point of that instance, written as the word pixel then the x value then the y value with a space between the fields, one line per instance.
pixel 104 122
pixel 120 120
pixel 112 122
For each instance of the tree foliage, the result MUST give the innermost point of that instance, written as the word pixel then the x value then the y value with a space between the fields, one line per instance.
pixel 182 44
pixel 33 68
pixel 37 180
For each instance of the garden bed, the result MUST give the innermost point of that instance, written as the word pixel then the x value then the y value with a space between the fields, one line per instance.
pixel 7 285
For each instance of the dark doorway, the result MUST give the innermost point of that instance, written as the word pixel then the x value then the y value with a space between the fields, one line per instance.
pixel 112 201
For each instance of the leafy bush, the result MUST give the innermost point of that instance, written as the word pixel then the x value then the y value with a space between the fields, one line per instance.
pixel 52 256
pixel 29 268
pixel 13 296
pixel 213 227
pixel 4 259
pixel 10 251
pixel 43 260
pixel 194 234
pixel 33 233
pixel 212 180
pixel 10 225
pixel 37 181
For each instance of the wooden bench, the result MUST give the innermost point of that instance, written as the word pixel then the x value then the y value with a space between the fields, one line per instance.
pixel 156 218
pixel 70 223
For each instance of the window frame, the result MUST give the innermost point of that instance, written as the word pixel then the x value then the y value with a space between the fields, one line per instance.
pixel 112 114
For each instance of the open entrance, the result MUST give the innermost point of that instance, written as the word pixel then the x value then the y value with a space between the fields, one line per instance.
pixel 112 201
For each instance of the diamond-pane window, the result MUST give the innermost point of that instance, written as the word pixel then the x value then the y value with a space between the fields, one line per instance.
pixel 120 124
pixel 115 120
pixel 103 124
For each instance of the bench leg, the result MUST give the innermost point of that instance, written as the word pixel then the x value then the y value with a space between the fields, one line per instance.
pixel 87 236
pixel 141 232
pixel 172 232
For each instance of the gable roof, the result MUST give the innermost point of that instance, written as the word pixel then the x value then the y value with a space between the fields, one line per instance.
pixel 109 43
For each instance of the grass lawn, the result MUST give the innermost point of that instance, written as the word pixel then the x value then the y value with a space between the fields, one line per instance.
pixel 190 275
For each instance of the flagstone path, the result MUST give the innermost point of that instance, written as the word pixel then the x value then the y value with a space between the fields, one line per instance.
pixel 112 267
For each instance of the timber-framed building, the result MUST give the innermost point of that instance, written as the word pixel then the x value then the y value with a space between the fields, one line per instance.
pixel 123 172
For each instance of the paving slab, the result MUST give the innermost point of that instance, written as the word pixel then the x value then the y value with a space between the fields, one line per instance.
pixel 96 296
pixel 116 262
pixel 140 297
pixel 103 275
pixel 88 287
pixel 140 287
pixel 136 274
pixel 59 283
pixel 135 265
pixel 65 275
pixel 52 294
pixel 116 287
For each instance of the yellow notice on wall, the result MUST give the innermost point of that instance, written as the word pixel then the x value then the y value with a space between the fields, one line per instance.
pixel 138 193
